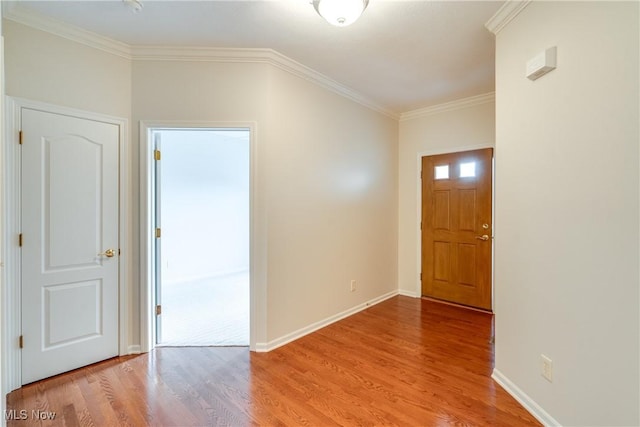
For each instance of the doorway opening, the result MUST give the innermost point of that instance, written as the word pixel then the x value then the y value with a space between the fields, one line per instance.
pixel 202 244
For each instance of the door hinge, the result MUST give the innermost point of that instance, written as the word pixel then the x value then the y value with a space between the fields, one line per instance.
pixel 158 310
pixel 420 276
pixel 156 154
pixel 158 233
pixel 20 137
pixel 20 239
pixel 21 341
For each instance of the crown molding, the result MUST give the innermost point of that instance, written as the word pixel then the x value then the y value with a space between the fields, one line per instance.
pixel 40 22
pixel 258 55
pixel 509 10
pixel 459 104
pixel 164 53
pixel 302 71
pixel 195 54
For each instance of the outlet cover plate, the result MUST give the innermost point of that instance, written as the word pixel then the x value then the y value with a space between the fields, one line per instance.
pixel 546 368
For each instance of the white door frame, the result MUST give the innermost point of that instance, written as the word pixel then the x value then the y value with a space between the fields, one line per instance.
pixel 147 234
pixel 10 293
pixel 452 150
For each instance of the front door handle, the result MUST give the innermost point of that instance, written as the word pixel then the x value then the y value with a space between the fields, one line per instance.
pixel 109 253
pixel 484 237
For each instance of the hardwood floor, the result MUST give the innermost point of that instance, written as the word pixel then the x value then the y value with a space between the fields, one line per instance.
pixel 406 362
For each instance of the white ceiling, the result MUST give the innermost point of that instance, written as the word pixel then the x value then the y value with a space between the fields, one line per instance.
pixel 402 55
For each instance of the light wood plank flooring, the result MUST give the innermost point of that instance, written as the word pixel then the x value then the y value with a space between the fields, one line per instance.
pixel 405 362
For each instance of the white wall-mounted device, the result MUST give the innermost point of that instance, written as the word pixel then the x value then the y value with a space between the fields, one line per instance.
pixel 542 63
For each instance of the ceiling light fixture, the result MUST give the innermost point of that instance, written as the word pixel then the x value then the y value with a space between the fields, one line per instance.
pixel 340 12
pixel 134 5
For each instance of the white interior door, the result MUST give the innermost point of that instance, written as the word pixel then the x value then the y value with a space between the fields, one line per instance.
pixel 69 254
pixel 158 224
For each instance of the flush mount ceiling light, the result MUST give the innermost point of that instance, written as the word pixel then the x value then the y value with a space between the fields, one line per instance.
pixel 340 12
pixel 134 5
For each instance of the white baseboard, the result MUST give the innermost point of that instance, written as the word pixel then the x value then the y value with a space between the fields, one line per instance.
pixel 134 349
pixel 528 403
pixel 406 293
pixel 286 339
pixel 261 347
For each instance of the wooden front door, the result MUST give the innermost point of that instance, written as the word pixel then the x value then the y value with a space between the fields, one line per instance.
pixel 456 227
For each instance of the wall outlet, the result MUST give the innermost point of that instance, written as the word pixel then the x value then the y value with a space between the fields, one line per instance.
pixel 546 365
pixel 353 286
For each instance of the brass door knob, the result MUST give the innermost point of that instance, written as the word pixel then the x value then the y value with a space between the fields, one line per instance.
pixel 108 253
pixel 484 237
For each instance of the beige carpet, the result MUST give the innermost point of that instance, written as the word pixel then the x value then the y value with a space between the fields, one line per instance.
pixel 207 312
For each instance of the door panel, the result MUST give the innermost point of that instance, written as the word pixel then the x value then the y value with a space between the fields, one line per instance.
pixel 441 209
pixel 69 219
pixel 442 261
pixel 467 210
pixel 456 214
pixel 157 141
pixel 80 299
pixel 467 264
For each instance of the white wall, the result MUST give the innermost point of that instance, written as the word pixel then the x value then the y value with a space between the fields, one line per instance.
pixel 202 91
pixel 43 67
pixel 326 182
pixel 3 392
pixel 567 211
pixel 331 172
pixel 459 129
